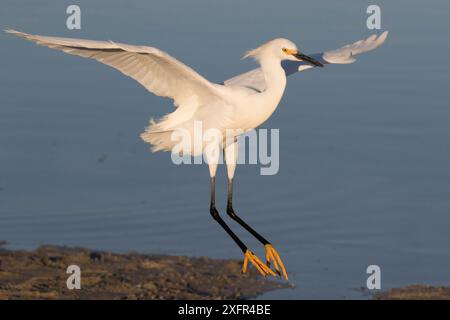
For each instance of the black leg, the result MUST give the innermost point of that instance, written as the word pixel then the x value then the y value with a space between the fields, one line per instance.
pixel 236 218
pixel 271 253
pixel 248 255
pixel 216 216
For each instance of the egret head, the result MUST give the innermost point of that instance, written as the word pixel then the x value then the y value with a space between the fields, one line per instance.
pixel 282 49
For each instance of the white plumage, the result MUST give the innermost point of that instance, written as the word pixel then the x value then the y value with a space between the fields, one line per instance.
pixel 344 55
pixel 239 104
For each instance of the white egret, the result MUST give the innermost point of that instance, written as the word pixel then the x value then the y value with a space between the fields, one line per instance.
pixel 231 108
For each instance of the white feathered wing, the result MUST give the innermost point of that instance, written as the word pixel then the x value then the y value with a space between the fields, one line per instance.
pixel 254 79
pixel 160 74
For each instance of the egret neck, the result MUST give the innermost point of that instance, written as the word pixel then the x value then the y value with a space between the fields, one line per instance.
pixel 275 78
pixel 264 104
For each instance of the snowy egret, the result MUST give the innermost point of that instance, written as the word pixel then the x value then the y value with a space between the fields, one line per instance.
pixel 239 104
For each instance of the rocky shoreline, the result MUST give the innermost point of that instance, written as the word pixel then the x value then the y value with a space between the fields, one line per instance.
pixel 42 274
pixel 415 292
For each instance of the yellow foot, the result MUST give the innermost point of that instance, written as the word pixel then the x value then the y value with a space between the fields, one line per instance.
pixel 260 266
pixel 272 255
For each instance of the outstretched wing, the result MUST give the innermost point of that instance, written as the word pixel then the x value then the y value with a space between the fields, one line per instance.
pixel 254 79
pixel 154 69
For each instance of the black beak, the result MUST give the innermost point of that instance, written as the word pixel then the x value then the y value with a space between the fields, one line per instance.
pixel 304 57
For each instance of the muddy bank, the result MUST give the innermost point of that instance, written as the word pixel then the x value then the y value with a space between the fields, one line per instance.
pixel 415 292
pixel 41 274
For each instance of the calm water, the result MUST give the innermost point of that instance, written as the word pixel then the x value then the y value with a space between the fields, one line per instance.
pixel 365 152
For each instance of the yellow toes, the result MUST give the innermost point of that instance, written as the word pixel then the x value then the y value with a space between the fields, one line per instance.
pixel 272 255
pixel 259 265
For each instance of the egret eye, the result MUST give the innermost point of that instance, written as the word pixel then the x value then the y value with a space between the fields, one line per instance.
pixel 284 50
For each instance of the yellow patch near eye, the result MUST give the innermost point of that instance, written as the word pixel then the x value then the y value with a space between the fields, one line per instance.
pixel 289 51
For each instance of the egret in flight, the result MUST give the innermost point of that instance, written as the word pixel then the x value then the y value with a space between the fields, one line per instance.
pixel 230 108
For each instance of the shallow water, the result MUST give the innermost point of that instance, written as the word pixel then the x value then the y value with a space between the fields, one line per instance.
pixel 364 149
